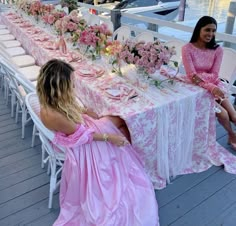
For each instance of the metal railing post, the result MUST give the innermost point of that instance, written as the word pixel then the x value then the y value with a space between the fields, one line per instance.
pixel 115 18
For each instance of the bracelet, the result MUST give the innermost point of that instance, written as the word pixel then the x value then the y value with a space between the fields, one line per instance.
pixel 105 137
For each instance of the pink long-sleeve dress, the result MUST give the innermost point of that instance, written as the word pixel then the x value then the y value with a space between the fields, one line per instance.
pixel 205 63
pixel 102 184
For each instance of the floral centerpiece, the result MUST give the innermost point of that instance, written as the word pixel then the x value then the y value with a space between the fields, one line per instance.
pixel 95 38
pixel 53 16
pixel 112 50
pixel 23 5
pixel 147 57
pixel 70 24
pixel 36 9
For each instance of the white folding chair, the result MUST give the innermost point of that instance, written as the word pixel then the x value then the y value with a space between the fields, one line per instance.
pixel 18 94
pixel 178 44
pixel 10 43
pixel 228 66
pixel 7 37
pixel 145 36
pixel 94 20
pixel 122 34
pixel 4 31
pixel 228 69
pixel 53 154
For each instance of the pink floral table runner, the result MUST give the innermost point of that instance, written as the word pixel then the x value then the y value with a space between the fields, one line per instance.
pixel 173 129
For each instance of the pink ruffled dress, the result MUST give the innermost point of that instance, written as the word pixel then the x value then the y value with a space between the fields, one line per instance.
pixel 203 62
pixel 102 184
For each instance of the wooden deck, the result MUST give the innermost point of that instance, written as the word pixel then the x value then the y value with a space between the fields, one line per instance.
pixel 207 198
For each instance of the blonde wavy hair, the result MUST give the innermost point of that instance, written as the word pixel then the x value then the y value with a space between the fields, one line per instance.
pixel 54 89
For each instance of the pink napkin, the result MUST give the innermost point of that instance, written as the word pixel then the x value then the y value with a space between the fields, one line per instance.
pixel 33 31
pixel 24 25
pixel 49 45
pixel 89 71
pixel 169 72
pixel 120 91
pixel 41 38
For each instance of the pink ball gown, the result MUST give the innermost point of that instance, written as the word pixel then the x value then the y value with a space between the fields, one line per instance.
pixel 102 184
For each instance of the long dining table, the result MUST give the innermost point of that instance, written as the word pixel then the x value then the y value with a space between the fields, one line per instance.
pixel 172 128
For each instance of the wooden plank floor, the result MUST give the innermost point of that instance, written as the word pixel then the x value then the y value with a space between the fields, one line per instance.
pixel 201 199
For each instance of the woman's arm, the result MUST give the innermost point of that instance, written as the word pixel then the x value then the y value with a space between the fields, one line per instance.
pixel 191 72
pixel 55 121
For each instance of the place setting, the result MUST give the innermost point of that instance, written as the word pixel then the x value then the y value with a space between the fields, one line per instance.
pixel 120 92
pixel 89 71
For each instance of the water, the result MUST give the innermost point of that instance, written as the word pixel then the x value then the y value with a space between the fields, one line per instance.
pixel 215 8
pixel 198 8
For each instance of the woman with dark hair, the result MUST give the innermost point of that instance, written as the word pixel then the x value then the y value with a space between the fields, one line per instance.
pixel 202 60
pixel 103 182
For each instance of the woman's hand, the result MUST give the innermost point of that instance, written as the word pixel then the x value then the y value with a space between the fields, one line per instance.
pixel 117 140
pixel 91 113
pixel 196 80
pixel 218 93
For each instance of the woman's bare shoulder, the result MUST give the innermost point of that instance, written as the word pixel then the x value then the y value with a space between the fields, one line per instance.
pixel 56 121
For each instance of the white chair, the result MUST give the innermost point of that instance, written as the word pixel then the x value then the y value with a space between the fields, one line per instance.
pixel 93 20
pixel 10 44
pixel 178 44
pixel 2 26
pixel 228 68
pixel 145 36
pixel 122 34
pixel 7 37
pixel 16 51
pixel 4 31
pixel 18 94
pixel 23 61
pixel 55 158
pixel 31 72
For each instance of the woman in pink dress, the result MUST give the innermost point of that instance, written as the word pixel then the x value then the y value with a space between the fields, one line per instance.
pixel 202 60
pixel 103 182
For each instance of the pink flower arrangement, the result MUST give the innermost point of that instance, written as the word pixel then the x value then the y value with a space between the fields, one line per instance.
pixel 52 17
pixel 36 8
pixel 95 36
pixel 113 48
pixel 70 23
pixel 148 56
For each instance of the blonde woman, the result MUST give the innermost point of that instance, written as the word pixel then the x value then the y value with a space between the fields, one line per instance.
pixel 103 182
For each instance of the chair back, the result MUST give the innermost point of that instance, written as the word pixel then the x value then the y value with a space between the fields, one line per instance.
pixel 45 134
pixel 19 77
pixel 178 44
pixel 145 36
pixel 122 34
pixel 94 20
pixel 14 85
pixel 228 68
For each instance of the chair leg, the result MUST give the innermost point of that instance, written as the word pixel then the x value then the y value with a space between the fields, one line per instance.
pixel 53 181
pixel 17 111
pixel 33 136
pixel 24 119
pixel 13 103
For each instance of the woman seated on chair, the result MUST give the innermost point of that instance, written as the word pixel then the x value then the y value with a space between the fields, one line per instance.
pixel 103 181
pixel 202 59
